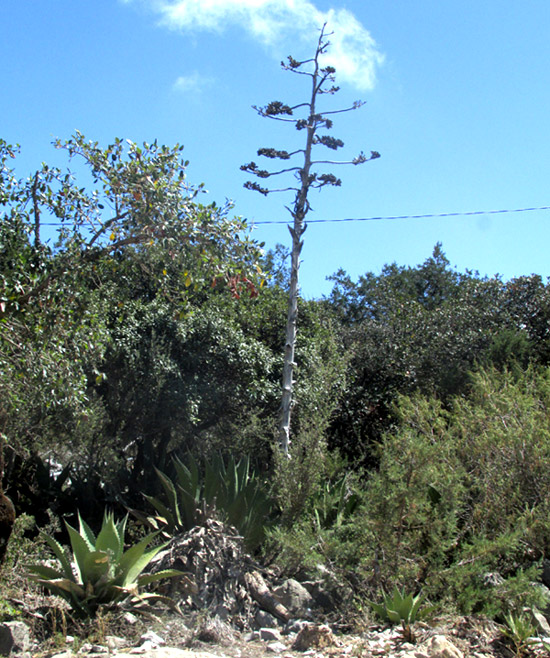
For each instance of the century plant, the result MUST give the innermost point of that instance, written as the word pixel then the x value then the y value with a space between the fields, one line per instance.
pixel 98 571
pixel 232 488
pixel 403 609
pixel 335 503
pixel 322 82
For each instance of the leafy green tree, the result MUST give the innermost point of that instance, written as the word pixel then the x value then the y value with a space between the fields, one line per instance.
pixel 174 384
pixel 420 329
pixel 136 219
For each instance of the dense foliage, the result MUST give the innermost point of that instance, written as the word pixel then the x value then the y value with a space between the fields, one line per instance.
pixel 148 327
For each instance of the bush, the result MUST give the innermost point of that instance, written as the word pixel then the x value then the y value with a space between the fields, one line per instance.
pixel 462 493
pixel 297 479
pixel 321 502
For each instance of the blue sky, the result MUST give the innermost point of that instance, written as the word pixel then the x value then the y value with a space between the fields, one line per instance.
pixel 457 103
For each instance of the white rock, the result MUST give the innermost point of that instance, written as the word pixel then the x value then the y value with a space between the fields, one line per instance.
pixel 276 647
pixel 14 637
pixel 541 622
pixel 113 642
pixel 130 618
pixel 168 652
pixel 153 639
pixel 439 647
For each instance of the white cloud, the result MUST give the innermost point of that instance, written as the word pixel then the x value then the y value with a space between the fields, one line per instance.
pixel 353 51
pixel 191 83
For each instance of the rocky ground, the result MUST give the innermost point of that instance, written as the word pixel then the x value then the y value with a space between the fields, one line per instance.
pixel 458 638
pixel 230 606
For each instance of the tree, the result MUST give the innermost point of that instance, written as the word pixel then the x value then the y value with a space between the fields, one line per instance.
pixel 408 329
pixel 312 123
pixel 136 209
pixel 139 198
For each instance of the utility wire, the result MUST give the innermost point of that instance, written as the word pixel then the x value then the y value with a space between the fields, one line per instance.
pixel 376 219
pixel 426 216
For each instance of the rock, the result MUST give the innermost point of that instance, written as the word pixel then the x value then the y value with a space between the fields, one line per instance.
pixel 541 622
pixel 89 650
pixel 295 626
pixel 154 640
pixel 439 646
pixel 492 579
pixel 146 648
pixel 14 637
pixel 324 598
pixel 215 631
pixel 276 647
pixel 130 618
pixel 295 597
pixel 328 593
pixel 270 635
pixel 113 642
pixel 313 636
pixel 166 652
pixel 266 619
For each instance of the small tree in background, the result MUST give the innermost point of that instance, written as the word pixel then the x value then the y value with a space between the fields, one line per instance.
pixel 322 82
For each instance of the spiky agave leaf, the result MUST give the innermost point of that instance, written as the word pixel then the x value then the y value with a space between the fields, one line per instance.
pixel 171 495
pixel 86 533
pixel 81 547
pixel 60 553
pixel 147 578
pixel 111 537
pixel 135 559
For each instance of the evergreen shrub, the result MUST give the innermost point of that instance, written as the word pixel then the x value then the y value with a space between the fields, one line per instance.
pixel 460 500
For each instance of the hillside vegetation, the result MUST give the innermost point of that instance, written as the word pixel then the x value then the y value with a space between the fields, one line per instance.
pixel 141 345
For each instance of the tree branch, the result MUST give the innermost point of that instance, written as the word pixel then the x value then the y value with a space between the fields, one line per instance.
pixel 105 226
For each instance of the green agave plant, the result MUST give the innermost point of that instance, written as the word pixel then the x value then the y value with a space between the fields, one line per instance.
pixel 335 503
pixel 401 608
pixel 99 572
pixel 231 487
pixel 522 633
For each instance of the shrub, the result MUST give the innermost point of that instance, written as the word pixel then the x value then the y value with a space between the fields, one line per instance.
pixel 296 480
pixel 463 492
pixel 320 525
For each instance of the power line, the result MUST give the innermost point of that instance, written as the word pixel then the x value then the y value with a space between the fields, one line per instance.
pixel 381 218
pixel 426 216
